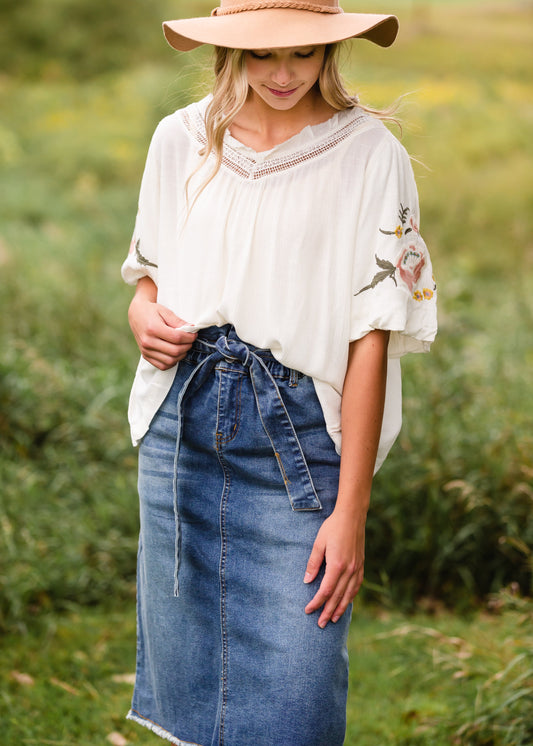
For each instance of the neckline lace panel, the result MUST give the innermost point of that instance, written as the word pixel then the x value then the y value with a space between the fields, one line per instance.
pixel 312 142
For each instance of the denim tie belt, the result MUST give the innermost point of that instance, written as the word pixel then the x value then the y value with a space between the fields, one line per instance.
pixel 274 418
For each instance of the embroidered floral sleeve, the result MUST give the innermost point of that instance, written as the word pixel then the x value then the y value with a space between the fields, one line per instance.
pixel 135 248
pixel 411 260
pixel 138 265
pixel 392 278
pixel 142 259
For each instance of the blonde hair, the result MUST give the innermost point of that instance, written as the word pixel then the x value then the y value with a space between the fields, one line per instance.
pixel 231 90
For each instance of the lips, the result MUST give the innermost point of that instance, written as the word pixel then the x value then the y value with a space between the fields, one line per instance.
pixel 282 94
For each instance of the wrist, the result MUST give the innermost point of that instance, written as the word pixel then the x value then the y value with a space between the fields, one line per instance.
pixel 353 501
pixel 146 290
pixel 352 508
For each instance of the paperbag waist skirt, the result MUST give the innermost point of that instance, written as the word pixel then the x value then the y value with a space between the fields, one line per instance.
pixel 236 475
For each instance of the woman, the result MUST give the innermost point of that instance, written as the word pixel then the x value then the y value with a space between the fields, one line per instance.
pixel 280 275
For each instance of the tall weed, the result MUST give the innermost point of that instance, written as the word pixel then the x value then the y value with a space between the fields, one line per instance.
pixel 501 712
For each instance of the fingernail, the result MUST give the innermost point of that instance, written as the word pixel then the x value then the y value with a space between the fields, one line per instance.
pixel 335 619
pixel 322 624
pixel 308 577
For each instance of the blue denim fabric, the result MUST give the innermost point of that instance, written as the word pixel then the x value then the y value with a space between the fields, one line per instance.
pixel 236 475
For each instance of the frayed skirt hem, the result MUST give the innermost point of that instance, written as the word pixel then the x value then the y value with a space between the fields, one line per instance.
pixel 157 729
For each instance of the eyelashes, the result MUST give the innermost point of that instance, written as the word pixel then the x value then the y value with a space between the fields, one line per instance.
pixel 268 55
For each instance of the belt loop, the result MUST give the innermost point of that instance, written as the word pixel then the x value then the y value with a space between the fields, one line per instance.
pixel 293 381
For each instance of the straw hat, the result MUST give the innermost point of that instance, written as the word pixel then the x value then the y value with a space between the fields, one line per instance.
pixel 268 24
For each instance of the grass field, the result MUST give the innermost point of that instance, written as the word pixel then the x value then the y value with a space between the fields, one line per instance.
pixel 420 681
pixel 451 522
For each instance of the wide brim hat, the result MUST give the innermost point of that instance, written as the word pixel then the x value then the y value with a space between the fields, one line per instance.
pixel 270 24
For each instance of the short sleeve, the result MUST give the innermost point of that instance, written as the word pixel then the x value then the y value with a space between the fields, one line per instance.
pixel 142 258
pixel 393 284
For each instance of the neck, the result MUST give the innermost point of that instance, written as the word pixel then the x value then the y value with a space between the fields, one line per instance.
pixel 262 127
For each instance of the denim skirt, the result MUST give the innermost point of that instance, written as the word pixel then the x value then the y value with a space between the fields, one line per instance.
pixel 236 475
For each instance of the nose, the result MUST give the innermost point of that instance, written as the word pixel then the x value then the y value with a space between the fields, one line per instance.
pixel 282 74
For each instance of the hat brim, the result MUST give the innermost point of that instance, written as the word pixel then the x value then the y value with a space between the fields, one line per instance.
pixel 273 28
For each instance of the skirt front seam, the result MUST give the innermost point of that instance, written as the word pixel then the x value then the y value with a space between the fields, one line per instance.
pixel 223 607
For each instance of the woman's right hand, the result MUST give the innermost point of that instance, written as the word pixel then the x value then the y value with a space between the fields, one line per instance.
pixel 156 328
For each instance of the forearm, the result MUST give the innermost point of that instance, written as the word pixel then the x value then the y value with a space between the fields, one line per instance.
pixel 341 538
pixel 363 401
pixel 146 289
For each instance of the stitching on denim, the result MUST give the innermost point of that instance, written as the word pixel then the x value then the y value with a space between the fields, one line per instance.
pixel 293 379
pixel 280 376
pixel 237 413
pixel 238 408
pixel 281 468
pixel 299 456
pixel 220 366
pixel 218 434
pixel 221 437
pixel 222 579
pixel 223 595
pixel 278 459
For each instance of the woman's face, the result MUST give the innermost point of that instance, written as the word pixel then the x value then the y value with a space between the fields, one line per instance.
pixel 283 77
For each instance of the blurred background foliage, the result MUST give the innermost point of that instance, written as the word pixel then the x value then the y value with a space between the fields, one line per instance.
pixel 82 86
pixel 78 39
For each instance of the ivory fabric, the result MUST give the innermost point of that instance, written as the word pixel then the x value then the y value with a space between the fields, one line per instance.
pixel 302 248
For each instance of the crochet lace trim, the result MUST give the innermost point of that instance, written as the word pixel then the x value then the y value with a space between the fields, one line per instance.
pixel 251 168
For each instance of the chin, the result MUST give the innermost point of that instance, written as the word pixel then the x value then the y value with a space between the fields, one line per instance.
pixel 282 104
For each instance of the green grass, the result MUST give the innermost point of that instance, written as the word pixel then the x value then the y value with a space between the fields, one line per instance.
pixel 440 680
pixel 424 681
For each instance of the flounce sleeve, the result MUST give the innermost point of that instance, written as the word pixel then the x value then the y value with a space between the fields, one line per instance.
pixel 142 257
pixel 393 284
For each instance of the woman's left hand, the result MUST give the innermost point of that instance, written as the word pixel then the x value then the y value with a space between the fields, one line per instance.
pixel 340 542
